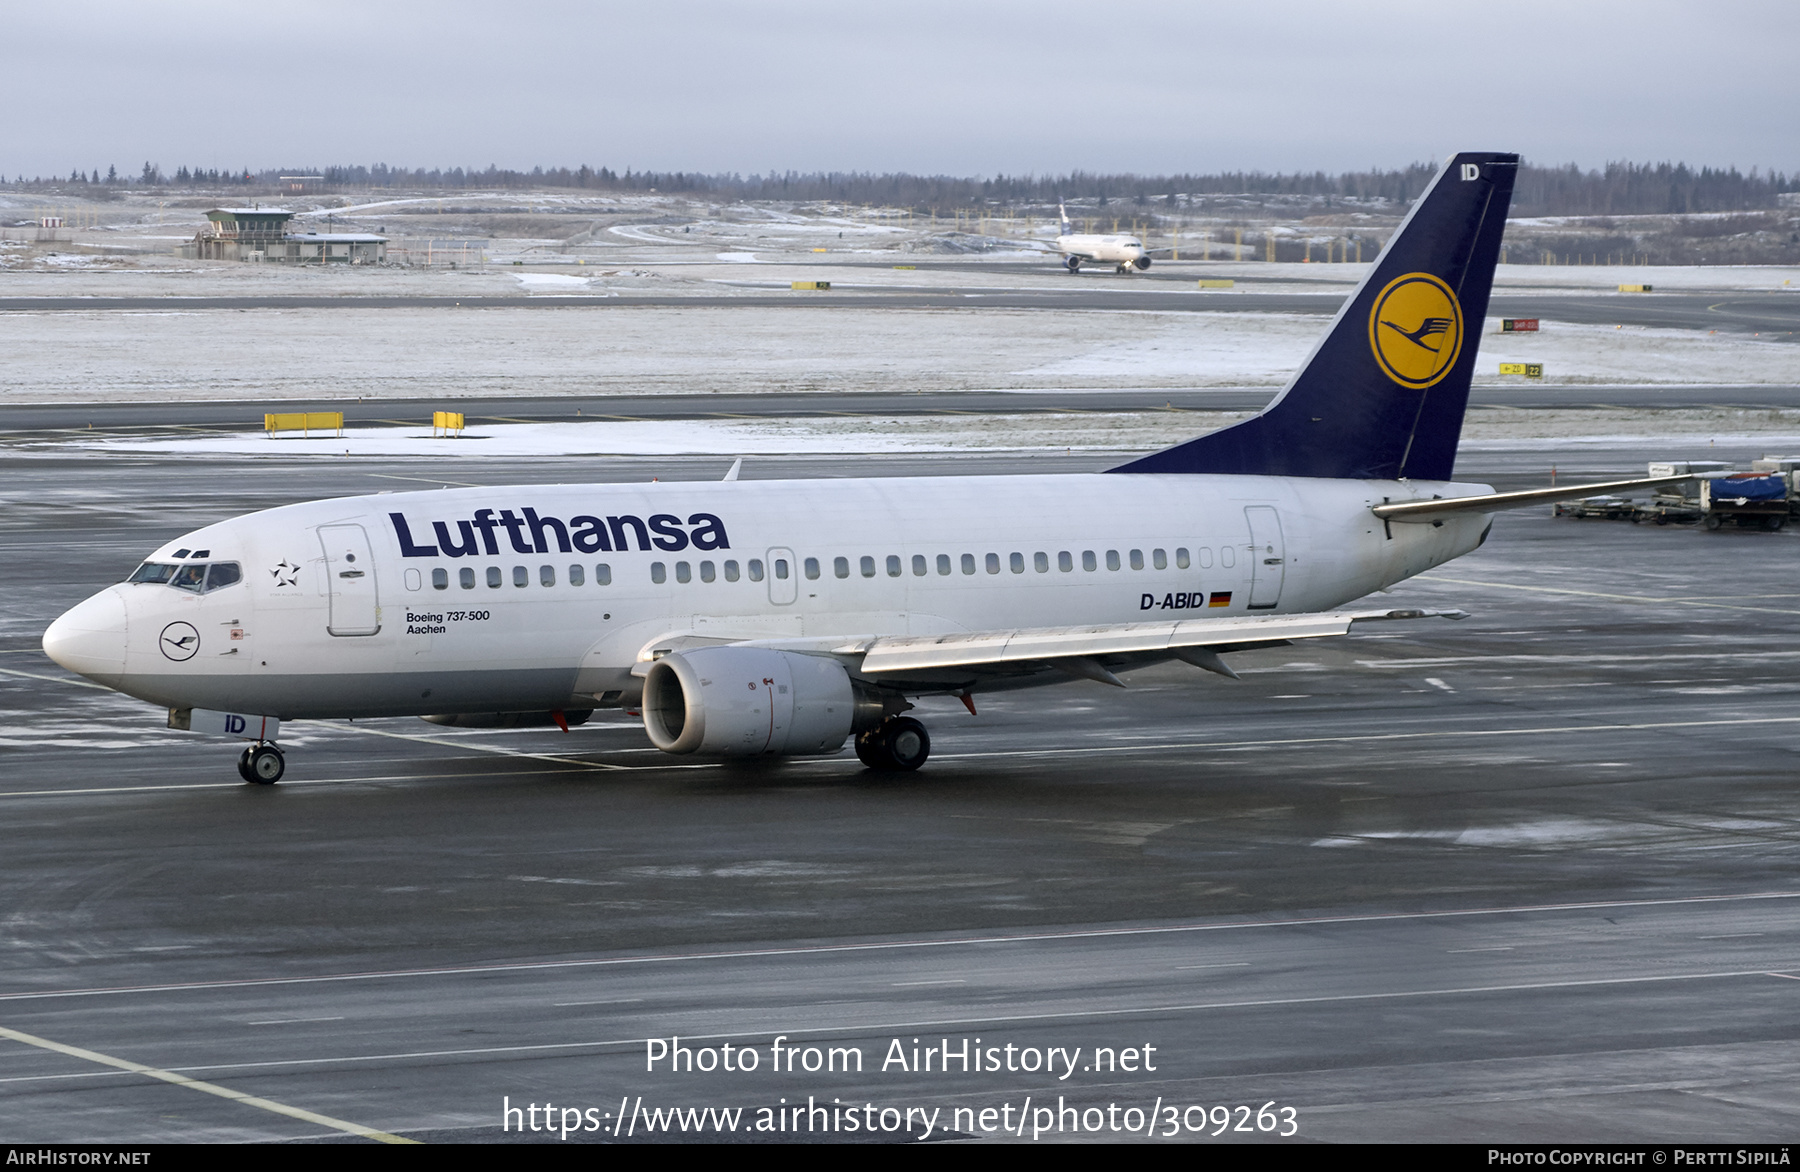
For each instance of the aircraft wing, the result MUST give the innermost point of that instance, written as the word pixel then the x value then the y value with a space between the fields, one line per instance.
pixel 1494 502
pixel 940 662
pixel 1085 650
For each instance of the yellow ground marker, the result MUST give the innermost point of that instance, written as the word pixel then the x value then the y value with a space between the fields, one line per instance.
pixel 183 1080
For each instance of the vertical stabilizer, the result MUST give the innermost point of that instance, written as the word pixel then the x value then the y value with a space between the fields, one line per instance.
pixel 1382 395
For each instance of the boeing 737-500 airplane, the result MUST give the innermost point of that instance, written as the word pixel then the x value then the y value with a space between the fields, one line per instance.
pixel 786 617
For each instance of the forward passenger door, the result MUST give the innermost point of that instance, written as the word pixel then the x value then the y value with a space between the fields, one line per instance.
pixel 350 579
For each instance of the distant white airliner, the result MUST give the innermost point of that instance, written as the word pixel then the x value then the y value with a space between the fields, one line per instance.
pixel 1124 253
pixel 786 617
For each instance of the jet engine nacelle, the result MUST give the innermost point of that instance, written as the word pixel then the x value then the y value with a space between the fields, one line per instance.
pixel 753 701
pixel 1142 262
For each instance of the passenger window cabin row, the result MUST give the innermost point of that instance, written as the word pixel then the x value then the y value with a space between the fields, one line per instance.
pixel 892 565
pixel 1015 562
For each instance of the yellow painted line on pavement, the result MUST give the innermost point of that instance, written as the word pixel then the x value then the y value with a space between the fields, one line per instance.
pixel 182 1080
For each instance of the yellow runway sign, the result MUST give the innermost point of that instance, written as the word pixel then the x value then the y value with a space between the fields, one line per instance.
pixel 304 422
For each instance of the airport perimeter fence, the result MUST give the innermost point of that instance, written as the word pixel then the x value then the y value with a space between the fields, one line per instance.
pixel 438 253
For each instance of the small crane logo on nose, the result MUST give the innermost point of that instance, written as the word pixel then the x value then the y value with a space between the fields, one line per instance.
pixel 179 641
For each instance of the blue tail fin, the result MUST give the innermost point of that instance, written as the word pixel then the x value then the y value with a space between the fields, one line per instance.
pixel 1382 395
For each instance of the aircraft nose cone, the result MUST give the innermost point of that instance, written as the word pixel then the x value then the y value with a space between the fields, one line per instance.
pixel 89 639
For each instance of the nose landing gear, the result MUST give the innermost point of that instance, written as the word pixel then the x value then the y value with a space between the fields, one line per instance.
pixel 899 744
pixel 261 764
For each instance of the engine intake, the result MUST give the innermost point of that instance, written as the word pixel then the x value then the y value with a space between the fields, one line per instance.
pixel 753 701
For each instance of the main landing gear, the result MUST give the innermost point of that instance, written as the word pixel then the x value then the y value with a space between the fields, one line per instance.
pixel 898 744
pixel 261 764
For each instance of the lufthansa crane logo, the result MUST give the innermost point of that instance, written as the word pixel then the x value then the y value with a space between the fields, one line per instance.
pixel 1416 330
pixel 179 641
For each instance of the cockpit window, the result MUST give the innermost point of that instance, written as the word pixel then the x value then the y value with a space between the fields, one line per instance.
pixel 198 578
pixel 156 573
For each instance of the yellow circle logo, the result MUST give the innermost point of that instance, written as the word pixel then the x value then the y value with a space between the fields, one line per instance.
pixel 1416 330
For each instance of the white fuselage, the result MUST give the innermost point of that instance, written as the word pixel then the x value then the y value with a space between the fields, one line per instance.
pixel 545 598
pixel 1118 250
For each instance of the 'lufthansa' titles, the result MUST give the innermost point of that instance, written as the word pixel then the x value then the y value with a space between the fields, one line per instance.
pixel 528 532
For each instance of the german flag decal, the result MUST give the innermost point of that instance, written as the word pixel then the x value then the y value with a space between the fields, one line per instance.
pixel 1219 598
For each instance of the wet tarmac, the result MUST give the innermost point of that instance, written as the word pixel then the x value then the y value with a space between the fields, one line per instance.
pixel 1531 876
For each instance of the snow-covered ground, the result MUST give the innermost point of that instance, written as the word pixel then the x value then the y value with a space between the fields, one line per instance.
pixel 1265 349
pixel 278 354
pixel 1692 433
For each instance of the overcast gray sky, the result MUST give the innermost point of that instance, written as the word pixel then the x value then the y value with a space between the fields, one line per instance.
pixel 926 86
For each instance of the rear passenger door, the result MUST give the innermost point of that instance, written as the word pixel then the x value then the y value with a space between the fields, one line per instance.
pixel 1268 557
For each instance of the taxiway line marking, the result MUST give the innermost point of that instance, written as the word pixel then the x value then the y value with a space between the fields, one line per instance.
pixel 1677 601
pixel 893 945
pixel 32 675
pixel 136 789
pixel 186 785
pixel 875 1027
pixel 1583 660
pixel 194 1084
pixel 1358 737
pixel 428 480
pixel 497 749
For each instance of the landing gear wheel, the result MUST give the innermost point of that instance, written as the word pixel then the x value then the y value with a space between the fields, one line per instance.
pixel 908 744
pixel 263 765
pixel 870 750
pixel 244 763
pixel 898 745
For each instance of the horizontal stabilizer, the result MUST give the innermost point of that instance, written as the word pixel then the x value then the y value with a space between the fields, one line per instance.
pixel 1495 502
